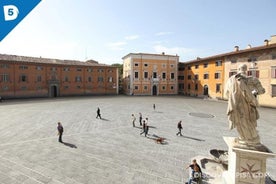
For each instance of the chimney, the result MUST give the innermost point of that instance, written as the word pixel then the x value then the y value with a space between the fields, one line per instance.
pixel 249 46
pixel 272 39
pixel 236 48
pixel 163 53
pixel 266 42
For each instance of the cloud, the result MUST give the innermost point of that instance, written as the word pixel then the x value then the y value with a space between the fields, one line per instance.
pixel 116 45
pixel 163 33
pixel 132 37
pixel 174 50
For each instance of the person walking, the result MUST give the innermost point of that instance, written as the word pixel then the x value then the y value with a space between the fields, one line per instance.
pixel 140 118
pixel 133 120
pixel 60 131
pixel 144 128
pixel 153 106
pixel 147 127
pixel 179 126
pixel 99 113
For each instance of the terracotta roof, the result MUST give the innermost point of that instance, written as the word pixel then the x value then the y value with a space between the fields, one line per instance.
pixel 15 58
pixel 264 47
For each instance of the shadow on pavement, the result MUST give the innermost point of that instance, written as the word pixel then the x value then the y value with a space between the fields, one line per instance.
pixel 70 145
pixel 196 139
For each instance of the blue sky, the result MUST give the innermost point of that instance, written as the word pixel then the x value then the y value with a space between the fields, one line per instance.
pixel 107 30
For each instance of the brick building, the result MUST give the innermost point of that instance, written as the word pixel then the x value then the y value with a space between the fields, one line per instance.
pixel 150 74
pixel 22 76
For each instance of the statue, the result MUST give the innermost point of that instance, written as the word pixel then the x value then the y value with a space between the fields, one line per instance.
pixel 242 91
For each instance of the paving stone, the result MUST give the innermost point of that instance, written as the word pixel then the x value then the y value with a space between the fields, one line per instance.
pixel 111 150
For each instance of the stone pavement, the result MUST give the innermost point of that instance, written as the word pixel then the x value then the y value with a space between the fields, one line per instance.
pixel 111 150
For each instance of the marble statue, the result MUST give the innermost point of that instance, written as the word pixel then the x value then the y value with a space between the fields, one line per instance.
pixel 242 91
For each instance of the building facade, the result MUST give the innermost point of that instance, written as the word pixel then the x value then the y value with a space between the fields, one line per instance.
pixel 208 76
pixel 22 76
pixel 150 74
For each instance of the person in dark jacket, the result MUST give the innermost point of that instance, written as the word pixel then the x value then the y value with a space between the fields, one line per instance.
pixel 60 131
pixel 179 126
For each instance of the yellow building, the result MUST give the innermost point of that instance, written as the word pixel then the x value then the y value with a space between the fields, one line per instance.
pixel 150 74
pixel 204 77
pixel 208 76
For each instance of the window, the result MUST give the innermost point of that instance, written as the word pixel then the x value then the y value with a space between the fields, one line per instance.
pixel 39 67
pixel 189 86
pixel 252 58
pixel 189 77
pixel 39 78
pixel 180 77
pixel 110 71
pixel 145 64
pixel 89 70
pixel 217 75
pixel 196 87
pixel 100 70
pixel 273 72
pixel 206 76
pixel 110 79
pixel 163 75
pixel 196 76
pixel 172 87
pixel 79 69
pixel 5 66
pixel 181 86
pixel 172 65
pixel 100 79
pixel 146 75
pixel 23 78
pixel 181 68
pixel 189 67
pixel 66 69
pixel 5 78
pixel 205 65
pixel 78 79
pixel 218 63
pixel 196 66
pixel 5 88
pixel 136 64
pixel 163 88
pixel 145 87
pixel 53 69
pixel 89 79
pixel 23 67
pixel 273 56
pixel 273 90
pixel 254 73
pixel 218 88
pixel 136 87
pixel 233 61
pixel 66 79
pixel 172 75
pixel 154 75
pixel 136 76
pixel 164 65
pixel 232 73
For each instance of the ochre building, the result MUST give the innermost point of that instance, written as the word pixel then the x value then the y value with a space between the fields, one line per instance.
pixel 22 76
pixel 150 74
pixel 206 77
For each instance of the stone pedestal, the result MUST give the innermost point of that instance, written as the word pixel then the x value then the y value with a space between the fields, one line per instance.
pixel 245 166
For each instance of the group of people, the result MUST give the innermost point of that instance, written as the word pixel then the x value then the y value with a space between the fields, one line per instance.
pixel 143 123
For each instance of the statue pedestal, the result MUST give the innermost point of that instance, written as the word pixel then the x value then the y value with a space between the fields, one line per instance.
pixel 244 165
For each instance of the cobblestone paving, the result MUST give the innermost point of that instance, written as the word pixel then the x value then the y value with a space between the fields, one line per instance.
pixel 110 150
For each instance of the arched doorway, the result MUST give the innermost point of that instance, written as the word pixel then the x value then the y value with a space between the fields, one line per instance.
pixel 206 90
pixel 54 92
pixel 154 90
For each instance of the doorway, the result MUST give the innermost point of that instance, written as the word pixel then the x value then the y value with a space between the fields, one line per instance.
pixel 54 92
pixel 206 90
pixel 154 90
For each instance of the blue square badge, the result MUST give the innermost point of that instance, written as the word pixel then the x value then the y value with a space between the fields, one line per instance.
pixel 12 12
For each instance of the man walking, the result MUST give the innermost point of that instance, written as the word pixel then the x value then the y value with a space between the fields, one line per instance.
pixel 60 132
pixel 140 118
pixel 179 126
pixel 98 113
